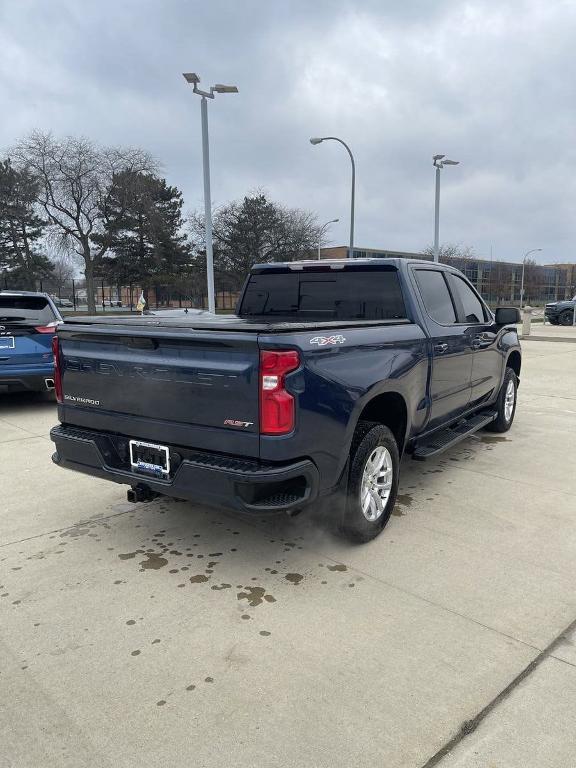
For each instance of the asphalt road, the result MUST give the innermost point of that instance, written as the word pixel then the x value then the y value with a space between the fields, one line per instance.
pixel 168 634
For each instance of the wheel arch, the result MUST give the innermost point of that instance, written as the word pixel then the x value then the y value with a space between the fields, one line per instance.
pixel 390 410
pixel 514 361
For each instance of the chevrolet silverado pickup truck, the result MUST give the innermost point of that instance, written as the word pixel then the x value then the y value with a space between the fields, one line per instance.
pixel 329 372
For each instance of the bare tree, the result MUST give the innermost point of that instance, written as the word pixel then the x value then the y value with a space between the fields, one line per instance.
pixel 451 252
pixel 74 177
pixel 250 231
pixel 62 271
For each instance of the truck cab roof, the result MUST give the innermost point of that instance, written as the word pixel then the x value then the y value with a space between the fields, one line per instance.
pixel 338 263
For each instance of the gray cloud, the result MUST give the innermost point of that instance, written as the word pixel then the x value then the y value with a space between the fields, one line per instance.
pixel 490 83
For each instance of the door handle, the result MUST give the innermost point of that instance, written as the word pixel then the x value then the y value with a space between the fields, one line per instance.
pixel 440 348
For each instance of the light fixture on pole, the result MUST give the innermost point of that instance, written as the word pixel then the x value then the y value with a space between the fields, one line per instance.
pixel 321 231
pixel 353 188
pixel 534 250
pixel 439 161
pixel 193 79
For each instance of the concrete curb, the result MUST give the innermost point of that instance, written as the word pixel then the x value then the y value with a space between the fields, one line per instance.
pixel 548 338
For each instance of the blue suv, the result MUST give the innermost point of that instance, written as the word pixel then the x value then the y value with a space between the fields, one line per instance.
pixel 28 322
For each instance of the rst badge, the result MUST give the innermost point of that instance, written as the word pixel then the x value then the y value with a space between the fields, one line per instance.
pixel 324 341
pixel 236 423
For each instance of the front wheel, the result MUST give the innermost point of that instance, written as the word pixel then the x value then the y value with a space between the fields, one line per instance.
pixel 506 403
pixel 567 318
pixel 372 482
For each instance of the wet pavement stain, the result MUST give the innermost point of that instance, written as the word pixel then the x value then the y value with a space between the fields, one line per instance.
pixel 199 579
pixel 130 622
pixel 160 703
pixel 217 588
pixel 488 439
pixel 264 633
pixel 76 532
pixel 294 578
pixel 208 679
pixel 153 563
pixel 255 596
pixel 154 642
pixel 190 687
pixel 402 500
pixel 337 567
pixel 135 653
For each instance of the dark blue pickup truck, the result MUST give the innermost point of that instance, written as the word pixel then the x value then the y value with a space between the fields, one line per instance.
pixel 328 373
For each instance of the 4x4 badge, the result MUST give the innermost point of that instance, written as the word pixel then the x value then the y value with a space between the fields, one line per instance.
pixel 323 341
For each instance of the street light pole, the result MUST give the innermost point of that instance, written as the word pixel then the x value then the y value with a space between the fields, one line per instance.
pixel 193 79
pixel 534 250
pixel 207 206
pixel 353 189
pixel 439 161
pixel 321 232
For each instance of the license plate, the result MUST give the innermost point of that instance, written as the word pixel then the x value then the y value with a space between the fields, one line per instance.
pixel 6 342
pixel 149 458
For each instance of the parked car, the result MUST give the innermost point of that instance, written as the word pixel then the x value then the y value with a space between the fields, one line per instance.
pixel 329 373
pixel 560 312
pixel 28 323
pixel 64 303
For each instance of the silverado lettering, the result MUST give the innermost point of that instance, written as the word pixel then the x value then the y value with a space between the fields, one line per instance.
pixel 205 379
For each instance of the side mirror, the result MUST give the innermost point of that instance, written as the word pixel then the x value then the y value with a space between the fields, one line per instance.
pixel 508 316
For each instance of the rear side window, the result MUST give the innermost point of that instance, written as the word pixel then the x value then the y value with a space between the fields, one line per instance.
pixel 471 304
pixel 35 309
pixel 343 294
pixel 436 296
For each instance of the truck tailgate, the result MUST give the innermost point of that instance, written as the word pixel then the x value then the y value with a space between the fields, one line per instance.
pixel 172 385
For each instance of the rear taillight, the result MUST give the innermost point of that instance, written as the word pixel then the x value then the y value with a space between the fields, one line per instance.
pixel 57 369
pixel 276 404
pixel 45 328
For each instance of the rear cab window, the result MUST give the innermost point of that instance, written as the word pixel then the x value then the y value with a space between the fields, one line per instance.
pixel 26 310
pixel 435 295
pixel 353 292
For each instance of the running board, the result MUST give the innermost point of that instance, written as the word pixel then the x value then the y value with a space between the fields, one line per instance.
pixel 445 438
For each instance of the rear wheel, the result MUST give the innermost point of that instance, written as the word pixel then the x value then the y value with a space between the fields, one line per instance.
pixel 372 482
pixel 506 403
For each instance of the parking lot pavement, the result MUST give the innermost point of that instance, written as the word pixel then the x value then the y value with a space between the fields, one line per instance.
pixel 167 634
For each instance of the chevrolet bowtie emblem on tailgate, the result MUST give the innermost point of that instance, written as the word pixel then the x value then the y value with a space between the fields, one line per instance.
pixel 323 341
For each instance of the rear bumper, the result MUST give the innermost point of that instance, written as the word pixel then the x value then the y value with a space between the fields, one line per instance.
pixel 206 478
pixel 31 379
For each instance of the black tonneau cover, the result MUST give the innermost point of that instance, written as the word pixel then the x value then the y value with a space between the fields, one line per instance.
pixel 228 323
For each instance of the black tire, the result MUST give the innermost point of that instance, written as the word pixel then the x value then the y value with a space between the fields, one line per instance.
pixel 566 318
pixel 553 321
pixel 502 423
pixel 368 436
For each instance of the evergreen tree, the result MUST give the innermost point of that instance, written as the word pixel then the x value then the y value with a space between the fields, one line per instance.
pixel 143 232
pixel 20 229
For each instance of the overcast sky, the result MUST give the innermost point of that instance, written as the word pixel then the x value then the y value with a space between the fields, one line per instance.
pixel 492 84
